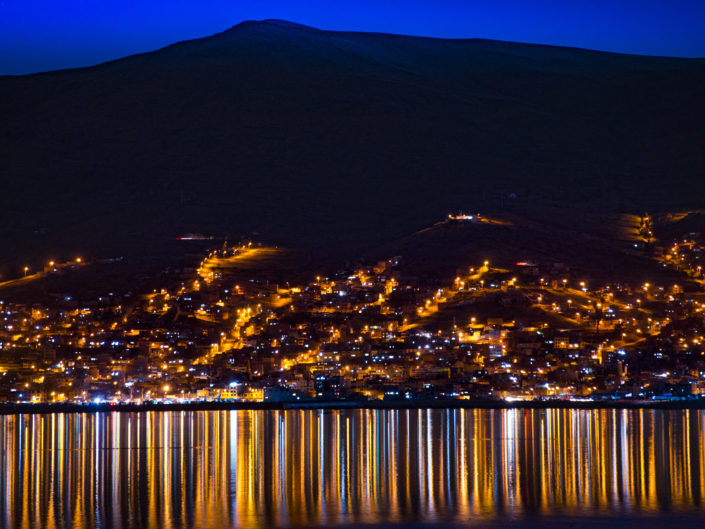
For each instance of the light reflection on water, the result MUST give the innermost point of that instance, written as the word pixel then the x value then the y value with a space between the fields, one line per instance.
pixel 254 469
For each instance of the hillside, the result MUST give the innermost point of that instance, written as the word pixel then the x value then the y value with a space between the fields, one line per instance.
pixel 336 142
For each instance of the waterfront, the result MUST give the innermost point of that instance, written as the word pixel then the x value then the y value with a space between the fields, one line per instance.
pixel 268 468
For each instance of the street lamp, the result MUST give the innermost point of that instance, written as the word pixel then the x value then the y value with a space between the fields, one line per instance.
pixel 26 269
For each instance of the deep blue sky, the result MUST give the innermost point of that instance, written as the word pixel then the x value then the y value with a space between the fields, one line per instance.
pixel 38 35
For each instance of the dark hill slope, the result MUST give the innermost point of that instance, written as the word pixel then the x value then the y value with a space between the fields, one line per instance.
pixel 336 141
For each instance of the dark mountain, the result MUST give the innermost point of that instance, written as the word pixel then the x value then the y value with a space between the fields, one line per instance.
pixel 336 142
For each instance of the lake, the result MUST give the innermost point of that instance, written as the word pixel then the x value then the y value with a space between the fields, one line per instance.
pixel 371 468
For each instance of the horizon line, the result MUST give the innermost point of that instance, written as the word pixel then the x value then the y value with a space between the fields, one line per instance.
pixel 294 24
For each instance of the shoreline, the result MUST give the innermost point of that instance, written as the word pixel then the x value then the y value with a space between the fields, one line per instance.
pixel 45 408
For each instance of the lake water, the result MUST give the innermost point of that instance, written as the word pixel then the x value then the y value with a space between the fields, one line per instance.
pixel 379 468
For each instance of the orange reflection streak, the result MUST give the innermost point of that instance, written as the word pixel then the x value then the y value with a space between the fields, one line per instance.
pixel 255 469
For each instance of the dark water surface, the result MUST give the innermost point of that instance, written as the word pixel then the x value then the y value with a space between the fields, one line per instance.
pixel 252 469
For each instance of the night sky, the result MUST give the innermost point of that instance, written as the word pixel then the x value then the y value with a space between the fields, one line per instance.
pixel 38 35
